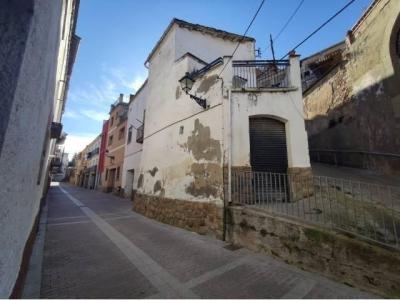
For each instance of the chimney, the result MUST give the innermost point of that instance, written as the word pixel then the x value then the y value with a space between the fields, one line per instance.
pixel 121 98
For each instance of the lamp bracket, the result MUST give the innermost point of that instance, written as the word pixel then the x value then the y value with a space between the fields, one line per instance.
pixel 200 101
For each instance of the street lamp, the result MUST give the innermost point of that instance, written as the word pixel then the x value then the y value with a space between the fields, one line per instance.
pixel 186 84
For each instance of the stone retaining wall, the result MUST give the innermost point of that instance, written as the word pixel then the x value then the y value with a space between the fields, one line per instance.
pixel 346 259
pixel 200 217
pixel 300 183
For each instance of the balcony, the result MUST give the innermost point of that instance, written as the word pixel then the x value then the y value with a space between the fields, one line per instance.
pixel 260 74
pixel 55 130
pixel 140 134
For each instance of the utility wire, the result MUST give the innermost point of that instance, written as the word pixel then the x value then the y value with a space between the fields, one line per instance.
pixel 320 27
pixel 243 36
pixel 289 20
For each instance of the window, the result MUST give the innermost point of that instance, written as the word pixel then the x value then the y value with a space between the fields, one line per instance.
pixel 117 176
pixel 111 122
pixel 121 133
pixel 110 140
pixel 130 134
pixel 106 174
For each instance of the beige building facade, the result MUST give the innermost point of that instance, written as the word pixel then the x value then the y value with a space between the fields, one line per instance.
pixel 114 156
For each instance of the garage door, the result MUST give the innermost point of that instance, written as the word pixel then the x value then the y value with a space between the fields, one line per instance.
pixel 268 151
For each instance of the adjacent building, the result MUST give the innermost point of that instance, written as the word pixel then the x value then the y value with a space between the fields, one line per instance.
pixel 114 155
pixel 134 141
pixel 102 154
pixel 351 90
pixel 38 49
pixel 206 116
pixel 92 164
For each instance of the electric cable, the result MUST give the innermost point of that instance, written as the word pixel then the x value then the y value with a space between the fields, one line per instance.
pixel 243 36
pixel 320 27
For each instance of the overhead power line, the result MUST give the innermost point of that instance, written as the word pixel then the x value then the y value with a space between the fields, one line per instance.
pixel 289 20
pixel 243 36
pixel 320 27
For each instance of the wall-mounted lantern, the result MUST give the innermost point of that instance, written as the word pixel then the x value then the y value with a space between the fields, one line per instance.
pixel 186 84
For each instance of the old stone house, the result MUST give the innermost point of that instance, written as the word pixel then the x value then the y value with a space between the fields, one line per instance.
pixel 38 49
pixel 352 96
pixel 240 115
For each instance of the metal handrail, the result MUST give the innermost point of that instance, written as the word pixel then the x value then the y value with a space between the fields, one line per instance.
pixel 367 210
pixel 260 74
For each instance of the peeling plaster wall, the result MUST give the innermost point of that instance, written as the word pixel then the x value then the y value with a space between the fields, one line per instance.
pixel 361 97
pixel 133 150
pixel 183 147
pixel 29 50
pixel 184 160
pixel 285 106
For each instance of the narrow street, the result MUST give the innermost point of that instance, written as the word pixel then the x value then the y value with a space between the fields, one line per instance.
pixel 97 247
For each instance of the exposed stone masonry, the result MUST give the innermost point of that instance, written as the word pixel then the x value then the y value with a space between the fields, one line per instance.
pixel 346 259
pixel 200 217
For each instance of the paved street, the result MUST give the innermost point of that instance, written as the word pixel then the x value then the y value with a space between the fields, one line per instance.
pixel 96 247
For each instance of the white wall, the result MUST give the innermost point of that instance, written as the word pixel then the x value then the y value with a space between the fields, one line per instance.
pixel 168 108
pixel 208 47
pixel 286 106
pixel 188 165
pixel 133 150
pixel 29 119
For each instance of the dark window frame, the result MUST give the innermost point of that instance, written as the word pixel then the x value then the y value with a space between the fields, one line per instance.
pixel 130 130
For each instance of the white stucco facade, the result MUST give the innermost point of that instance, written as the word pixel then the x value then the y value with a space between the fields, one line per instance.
pixel 186 148
pixel 282 104
pixel 133 149
pixel 30 49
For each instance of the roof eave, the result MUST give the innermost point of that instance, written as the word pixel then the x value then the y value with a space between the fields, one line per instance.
pixel 196 27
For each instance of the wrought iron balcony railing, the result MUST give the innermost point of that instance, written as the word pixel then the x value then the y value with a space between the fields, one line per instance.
pixel 260 74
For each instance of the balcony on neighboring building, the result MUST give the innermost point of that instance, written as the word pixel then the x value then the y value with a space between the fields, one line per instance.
pixel 140 134
pixel 261 74
pixel 55 130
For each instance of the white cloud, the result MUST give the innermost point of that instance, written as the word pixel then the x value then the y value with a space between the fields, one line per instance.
pixel 76 143
pixel 137 82
pixel 71 114
pixel 94 115
pixel 105 91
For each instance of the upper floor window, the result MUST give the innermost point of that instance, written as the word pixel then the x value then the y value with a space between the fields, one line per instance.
pixel 130 134
pixel 110 140
pixel 121 133
pixel 111 122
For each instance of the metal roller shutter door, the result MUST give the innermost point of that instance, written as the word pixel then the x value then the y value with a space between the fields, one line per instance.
pixel 268 151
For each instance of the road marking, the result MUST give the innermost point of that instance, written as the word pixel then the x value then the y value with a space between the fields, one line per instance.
pixel 83 222
pixel 216 272
pixel 168 285
pixel 67 223
pixel 300 290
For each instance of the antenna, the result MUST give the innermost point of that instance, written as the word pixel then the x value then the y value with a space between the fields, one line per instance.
pixel 272 47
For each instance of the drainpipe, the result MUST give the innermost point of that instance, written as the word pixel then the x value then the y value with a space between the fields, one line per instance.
pixel 226 128
pixel 229 146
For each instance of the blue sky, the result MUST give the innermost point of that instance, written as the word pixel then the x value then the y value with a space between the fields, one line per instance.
pixel 117 36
